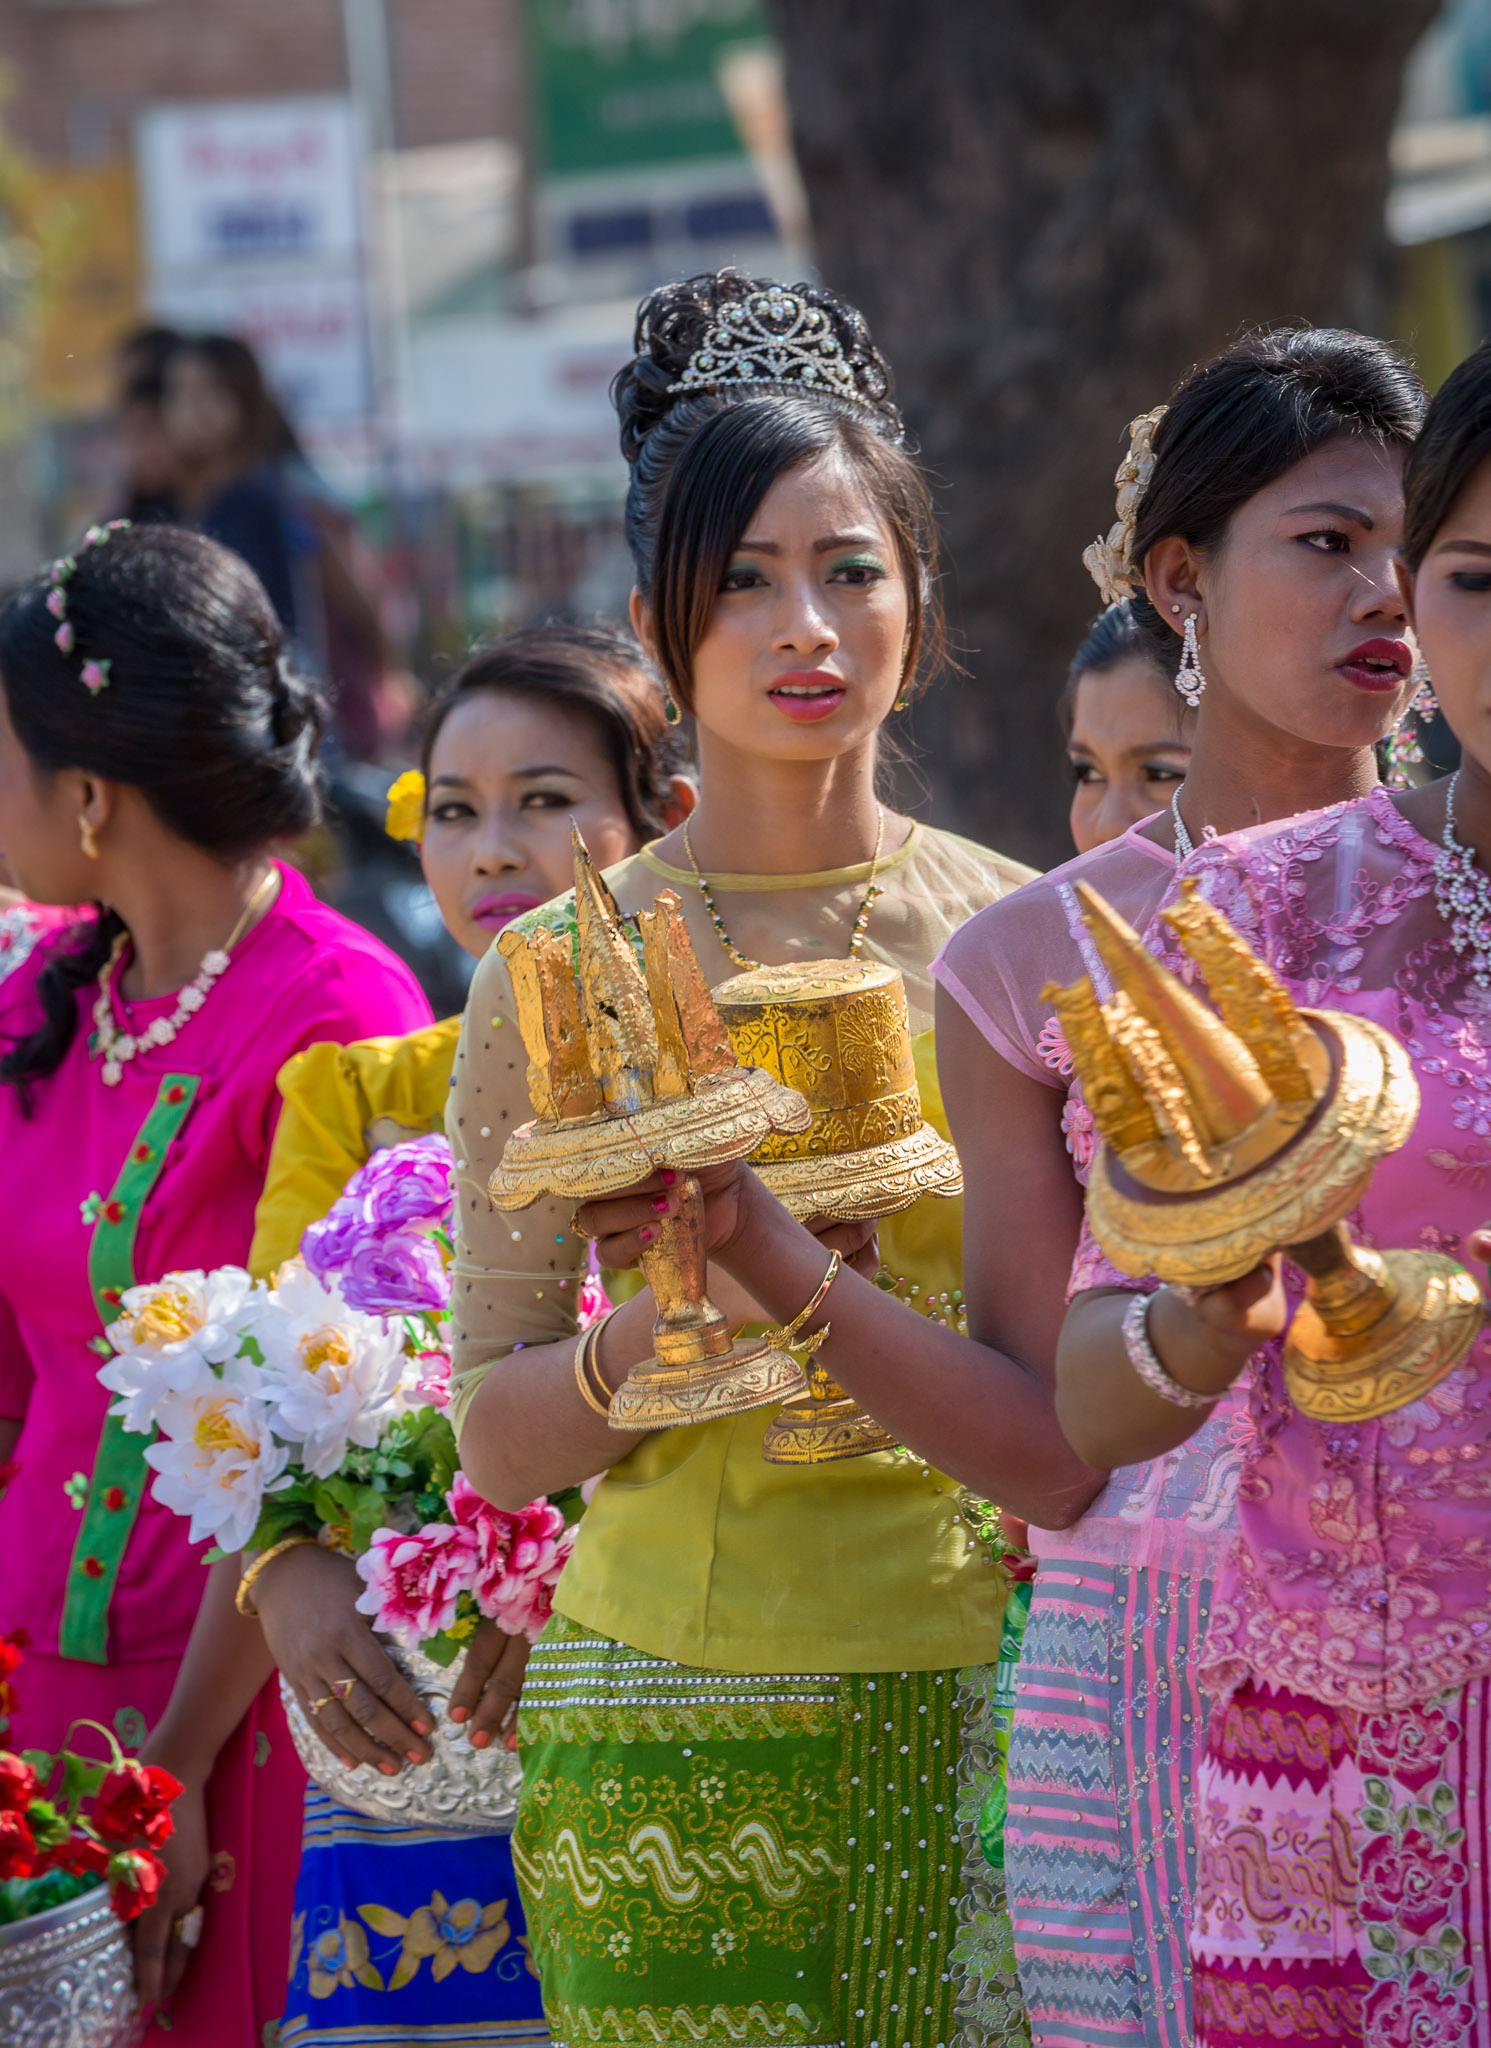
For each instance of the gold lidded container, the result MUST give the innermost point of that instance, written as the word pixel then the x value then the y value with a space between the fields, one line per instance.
pixel 630 1070
pixel 1228 1134
pixel 839 1034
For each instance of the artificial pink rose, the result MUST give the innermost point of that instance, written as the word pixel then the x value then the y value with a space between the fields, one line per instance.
pixel 433 1384
pixel 1410 1883
pixel 414 1582
pixel 1079 1130
pixel 1419 2014
pixel 522 1556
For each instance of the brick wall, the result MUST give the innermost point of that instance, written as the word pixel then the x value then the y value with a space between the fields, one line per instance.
pixel 79 71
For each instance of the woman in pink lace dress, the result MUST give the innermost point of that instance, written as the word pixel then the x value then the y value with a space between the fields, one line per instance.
pixel 1342 1880
pixel 1271 516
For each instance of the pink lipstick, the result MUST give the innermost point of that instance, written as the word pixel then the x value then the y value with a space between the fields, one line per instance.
pixel 1378 664
pixel 494 912
pixel 807 695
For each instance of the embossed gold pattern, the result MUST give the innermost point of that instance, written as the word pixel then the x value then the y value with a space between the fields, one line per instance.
pixel 1228 1136
pixel 839 1033
pixel 641 1044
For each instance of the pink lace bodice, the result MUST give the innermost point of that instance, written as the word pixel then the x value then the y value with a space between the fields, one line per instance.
pixel 1362 1571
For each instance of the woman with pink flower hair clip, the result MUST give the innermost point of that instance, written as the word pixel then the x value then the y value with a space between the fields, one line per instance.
pixel 549 723
pixel 155 751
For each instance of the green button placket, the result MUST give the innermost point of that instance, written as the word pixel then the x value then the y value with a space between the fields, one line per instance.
pixel 117 1484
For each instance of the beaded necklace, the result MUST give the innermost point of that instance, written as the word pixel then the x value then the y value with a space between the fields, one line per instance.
pixel 857 931
pixel 1463 895
pixel 118 1048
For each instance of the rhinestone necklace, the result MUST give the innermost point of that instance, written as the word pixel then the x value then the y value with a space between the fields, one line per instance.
pixel 118 1048
pixel 1185 846
pixel 1463 893
pixel 857 933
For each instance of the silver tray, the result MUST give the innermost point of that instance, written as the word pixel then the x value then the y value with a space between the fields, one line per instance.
pixel 461 1790
pixel 67 1978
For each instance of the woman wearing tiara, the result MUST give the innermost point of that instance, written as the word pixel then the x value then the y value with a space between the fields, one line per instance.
pixel 1342 1796
pixel 1259 515
pixel 742 1735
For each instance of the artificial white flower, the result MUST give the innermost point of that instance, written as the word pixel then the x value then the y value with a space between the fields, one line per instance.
pixel 331 1374
pixel 168 1336
pixel 216 1458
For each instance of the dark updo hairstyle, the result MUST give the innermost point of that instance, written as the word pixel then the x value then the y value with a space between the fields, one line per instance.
pixel 599 673
pixel 1114 637
pixel 201 714
pixel 1236 424
pixel 1454 443
pixel 702 461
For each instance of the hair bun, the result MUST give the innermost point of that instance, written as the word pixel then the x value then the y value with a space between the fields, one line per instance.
pixel 295 704
pixel 673 321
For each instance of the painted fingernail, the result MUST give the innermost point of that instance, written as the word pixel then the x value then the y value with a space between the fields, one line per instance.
pixel 669 1176
pixel 389 1770
pixel 420 1727
pixel 660 1204
pixel 510 1741
pixel 414 1756
pixel 457 1714
pixel 480 1739
pixel 646 1236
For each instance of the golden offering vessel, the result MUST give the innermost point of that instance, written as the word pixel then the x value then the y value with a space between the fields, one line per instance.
pixel 630 1070
pixel 1229 1135
pixel 836 1031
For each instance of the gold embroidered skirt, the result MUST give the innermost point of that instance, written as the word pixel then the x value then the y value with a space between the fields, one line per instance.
pixel 711 1856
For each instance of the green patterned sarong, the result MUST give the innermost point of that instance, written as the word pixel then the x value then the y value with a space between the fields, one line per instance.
pixel 709 1856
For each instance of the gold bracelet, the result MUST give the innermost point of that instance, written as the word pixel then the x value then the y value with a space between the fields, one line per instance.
pixel 582 1351
pixel 789 1331
pixel 241 1599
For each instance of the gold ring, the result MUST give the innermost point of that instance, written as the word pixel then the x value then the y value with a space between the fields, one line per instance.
pixel 324 1701
pixel 342 1689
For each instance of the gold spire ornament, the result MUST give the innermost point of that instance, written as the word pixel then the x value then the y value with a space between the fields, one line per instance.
pixel 630 1070
pixel 838 1032
pixel 1231 1133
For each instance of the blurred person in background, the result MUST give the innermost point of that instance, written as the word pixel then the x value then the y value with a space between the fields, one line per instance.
pixel 555 724
pixel 241 475
pixel 1128 734
pixel 147 467
pixel 155 751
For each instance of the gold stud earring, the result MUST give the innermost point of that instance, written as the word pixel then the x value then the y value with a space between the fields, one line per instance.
pixel 86 839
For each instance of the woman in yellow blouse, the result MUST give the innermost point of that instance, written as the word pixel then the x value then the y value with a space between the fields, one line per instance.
pixel 743 1733
pixel 550 724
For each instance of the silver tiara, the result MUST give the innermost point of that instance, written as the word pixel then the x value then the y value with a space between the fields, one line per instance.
pixel 772 337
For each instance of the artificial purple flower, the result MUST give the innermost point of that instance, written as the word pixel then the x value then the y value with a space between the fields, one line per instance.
pixel 405 1184
pixel 329 1245
pixel 401 1274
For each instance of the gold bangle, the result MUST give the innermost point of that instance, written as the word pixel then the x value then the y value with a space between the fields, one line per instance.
pixel 582 1349
pixel 788 1332
pixel 241 1598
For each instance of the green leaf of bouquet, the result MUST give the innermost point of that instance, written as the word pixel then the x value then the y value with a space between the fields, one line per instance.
pixel 81 1778
pixel 440 1650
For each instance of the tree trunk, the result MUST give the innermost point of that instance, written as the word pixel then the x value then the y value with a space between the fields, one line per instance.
pixel 1048 210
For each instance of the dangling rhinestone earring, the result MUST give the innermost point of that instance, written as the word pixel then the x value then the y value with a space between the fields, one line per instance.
pixel 671 711
pixel 1188 677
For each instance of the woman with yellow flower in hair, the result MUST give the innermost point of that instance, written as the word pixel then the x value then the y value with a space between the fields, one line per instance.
pixel 550 724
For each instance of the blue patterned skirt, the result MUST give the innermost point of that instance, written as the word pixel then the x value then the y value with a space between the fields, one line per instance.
pixel 404 1937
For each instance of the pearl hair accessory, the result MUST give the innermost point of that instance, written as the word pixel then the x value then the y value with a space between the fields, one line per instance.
pixel 1463 893
pixel 772 337
pixel 1110 562
pixel 118 1048
pixel 94 673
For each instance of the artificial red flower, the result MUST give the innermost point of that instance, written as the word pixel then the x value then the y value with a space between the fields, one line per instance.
pixel 17 1782
pixel 8 1471
pixel 133 1804
pixel 81 1856
pixel 10 1660
pixel 17 1847
pixel 134 1881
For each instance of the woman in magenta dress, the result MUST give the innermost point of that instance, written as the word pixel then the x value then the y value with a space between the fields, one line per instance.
pixel 153 750
pixel 1343 1892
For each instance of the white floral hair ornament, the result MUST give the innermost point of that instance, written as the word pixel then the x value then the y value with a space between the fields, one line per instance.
pixel 94 673
pixel 1110 561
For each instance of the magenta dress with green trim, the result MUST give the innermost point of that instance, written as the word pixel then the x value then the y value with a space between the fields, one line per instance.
pixel 106 1187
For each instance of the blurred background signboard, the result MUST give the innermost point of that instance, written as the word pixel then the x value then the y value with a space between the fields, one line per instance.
pixel 252 215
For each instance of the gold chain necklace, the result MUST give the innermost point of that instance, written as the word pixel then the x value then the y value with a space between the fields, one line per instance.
pixel 857 932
